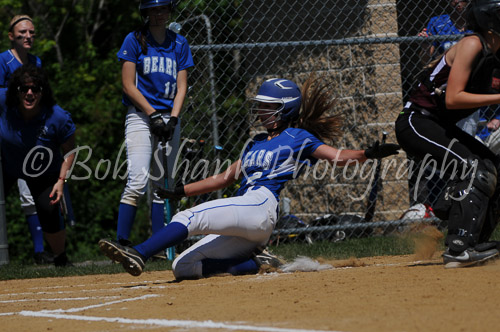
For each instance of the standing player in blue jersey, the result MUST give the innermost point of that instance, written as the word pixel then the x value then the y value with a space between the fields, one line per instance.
pixel 154 77
pixel 33 131
pixel 240 226
pixel 21 35
pixel 452 24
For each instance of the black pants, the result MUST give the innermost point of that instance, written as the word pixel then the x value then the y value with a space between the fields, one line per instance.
pixel 425 138
pixel 40 187
pixel 441 145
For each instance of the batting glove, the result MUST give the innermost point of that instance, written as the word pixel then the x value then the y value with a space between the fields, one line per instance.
pixel 175 193
pixel 170 128
pixel 377 150
pixel 157 125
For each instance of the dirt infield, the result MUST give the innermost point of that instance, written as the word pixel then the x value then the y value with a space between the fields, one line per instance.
pixel 373 294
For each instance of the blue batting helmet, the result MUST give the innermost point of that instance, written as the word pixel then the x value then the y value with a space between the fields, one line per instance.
pixel 156 3
pixel 284 92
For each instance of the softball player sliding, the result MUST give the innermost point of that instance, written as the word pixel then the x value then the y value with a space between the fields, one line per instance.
pixel 237 227
pixel 154 77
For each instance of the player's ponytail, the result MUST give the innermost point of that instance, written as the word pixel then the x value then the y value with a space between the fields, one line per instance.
pixel 141 35
pixel 317 114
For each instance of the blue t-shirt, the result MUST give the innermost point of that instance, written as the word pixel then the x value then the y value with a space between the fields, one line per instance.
pixel 30 149
pixel 486 114
pixel 272 163
pixel 9 63
pixel 157 70
pixel 442 25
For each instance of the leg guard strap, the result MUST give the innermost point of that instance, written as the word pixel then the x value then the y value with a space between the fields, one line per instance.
pixel 469 204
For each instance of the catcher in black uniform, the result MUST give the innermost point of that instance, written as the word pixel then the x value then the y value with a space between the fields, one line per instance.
pixel 453 86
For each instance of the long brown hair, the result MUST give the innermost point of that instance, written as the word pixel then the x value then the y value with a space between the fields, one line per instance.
pixel 141 35
pixel 316 115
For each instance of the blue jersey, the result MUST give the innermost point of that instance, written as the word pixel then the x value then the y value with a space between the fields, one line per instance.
pixel 9 63
pixel 442 25
pixel 156 76
pixel 30 149
pixel 271 163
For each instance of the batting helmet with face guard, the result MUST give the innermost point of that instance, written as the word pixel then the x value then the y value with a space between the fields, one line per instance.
pixel 283 92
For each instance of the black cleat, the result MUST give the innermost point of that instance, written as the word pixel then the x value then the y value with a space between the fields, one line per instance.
pixel 43 258
pixel 468 257
pixel 263 257
pixel 62 260
pixel 131 260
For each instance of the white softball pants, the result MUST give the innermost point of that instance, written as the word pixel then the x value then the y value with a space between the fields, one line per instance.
pixel 237 226
pixel 27 202
pixel 145 156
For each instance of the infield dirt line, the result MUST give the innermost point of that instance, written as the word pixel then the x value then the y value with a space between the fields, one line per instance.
pixel 186 324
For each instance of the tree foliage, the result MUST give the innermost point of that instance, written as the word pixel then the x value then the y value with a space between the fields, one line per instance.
pixel 77 41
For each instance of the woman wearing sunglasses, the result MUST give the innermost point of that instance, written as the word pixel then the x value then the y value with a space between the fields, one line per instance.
pixel 21 34
pixel 33 132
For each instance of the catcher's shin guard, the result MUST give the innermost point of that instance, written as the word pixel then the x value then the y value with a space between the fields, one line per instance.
pixel 493 213
pixel 469 204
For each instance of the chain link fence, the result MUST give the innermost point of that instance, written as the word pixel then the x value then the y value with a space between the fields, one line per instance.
pixel 369 51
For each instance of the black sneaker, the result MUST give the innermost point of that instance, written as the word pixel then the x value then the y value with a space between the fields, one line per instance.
pixel 468 257
pixel 264 257
pixel 126 243
pixel 131 260
pixel 43 258
pixel 62 260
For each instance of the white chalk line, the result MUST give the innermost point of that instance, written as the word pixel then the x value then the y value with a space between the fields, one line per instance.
pixel 64 299
pixel 167 323
pixel 87 307
pixel 102 304
pixel 62 314
pixel 161 322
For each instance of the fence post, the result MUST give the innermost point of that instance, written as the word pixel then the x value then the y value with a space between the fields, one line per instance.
pixel 4 247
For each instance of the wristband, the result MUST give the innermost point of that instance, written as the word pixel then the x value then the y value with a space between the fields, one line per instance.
pixel 155 115
pixel 61 178
pixel 179 190
pixel 174 120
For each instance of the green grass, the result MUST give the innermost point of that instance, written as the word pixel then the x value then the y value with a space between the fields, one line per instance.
pixel 98 265
pixel 363 247
pixel 18 270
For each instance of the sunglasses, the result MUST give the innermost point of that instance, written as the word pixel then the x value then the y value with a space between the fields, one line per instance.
pixel 26 88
